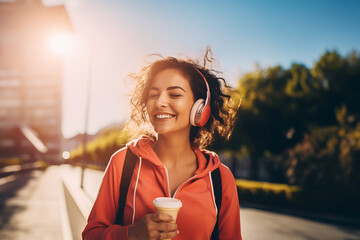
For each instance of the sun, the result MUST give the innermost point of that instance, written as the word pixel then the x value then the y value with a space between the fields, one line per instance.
pixel 61 43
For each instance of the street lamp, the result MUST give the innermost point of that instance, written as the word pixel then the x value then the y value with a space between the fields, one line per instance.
pixel 85 135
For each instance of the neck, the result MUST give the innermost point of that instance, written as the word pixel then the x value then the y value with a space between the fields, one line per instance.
pixel 173 150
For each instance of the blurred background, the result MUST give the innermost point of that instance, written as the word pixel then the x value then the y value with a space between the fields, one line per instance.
pixel 295 150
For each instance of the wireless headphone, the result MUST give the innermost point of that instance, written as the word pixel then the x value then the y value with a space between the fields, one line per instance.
pixel 200 111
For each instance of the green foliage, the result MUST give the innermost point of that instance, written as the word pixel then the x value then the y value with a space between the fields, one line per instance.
pixel 269 189
pixel 340 79
pixel 335 201
pixel 281 106
pixel 328 156
pixel 99 151
pixel 9 161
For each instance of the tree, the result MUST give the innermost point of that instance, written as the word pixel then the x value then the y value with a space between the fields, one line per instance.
pixel 279 107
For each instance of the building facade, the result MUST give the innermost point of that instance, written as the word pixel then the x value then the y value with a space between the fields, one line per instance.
pixel 30 79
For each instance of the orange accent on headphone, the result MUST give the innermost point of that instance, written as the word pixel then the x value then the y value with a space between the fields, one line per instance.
pixel 200 111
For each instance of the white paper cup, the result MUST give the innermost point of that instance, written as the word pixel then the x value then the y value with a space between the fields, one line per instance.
pixel 170 206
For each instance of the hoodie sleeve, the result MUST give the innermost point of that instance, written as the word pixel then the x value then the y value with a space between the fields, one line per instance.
pixel 229 218
pixel 102 216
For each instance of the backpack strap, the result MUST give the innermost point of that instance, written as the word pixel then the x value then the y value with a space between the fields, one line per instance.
pixel 216 179
pixel 127 172
pixel 217 188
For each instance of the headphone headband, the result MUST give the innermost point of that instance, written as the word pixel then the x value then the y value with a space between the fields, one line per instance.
pixel 207 87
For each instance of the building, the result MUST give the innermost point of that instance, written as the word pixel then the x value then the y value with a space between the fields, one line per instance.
pixel 30 79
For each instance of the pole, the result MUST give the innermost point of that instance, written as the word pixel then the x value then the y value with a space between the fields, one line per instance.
pixel 87 105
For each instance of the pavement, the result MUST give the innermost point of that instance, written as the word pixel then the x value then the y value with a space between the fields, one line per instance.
pixel 14 169
pixel 49 204
pixel 30 206
pixel 45 203
pixel 258 224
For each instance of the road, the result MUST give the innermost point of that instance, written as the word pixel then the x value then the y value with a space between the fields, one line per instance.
pixel 259 224
pixel 30 208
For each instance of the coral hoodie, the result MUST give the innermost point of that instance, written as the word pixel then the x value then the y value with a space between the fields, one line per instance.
pixel 196 218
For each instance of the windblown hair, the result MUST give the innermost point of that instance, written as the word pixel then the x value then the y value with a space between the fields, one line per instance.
pixel 223 108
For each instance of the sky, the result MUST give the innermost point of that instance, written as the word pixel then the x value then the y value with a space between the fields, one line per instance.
pixel 113 37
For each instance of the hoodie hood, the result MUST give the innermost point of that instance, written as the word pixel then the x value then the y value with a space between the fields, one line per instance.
pixel 142 147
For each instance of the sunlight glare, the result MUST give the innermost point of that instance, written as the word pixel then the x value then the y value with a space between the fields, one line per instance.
pixel 61 43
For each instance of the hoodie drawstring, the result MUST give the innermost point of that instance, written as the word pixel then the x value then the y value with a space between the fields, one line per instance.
pixel 213 194
pixel 136 184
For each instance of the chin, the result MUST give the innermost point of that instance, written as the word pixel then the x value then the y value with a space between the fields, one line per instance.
pixel 169 132
pixel 161 131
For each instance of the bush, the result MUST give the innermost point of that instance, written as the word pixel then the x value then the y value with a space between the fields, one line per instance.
pixel 9 161
pixel 336 201
pixel 327 157
pixel 266 193
pixel 99 150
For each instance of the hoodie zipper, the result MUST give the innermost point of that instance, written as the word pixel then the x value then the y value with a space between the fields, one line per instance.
pixel 168 182
pixel 183 184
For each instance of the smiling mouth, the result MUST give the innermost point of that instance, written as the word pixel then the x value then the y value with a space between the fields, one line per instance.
pixel 163 116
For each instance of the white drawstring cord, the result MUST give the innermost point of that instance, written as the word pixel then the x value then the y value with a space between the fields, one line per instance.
pixel 213 194
pixel 137 180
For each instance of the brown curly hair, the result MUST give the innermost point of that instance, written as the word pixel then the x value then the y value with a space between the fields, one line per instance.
pixel 223 109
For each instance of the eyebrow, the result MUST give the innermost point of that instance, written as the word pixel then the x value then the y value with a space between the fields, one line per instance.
pixel 169 88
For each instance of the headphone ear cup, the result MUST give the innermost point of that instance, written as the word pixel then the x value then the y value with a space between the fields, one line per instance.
pixel 196 112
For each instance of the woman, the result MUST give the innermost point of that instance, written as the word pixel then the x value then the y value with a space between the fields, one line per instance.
pixel 171 159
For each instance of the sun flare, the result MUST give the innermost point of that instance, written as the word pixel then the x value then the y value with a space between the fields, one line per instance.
pixel 61 43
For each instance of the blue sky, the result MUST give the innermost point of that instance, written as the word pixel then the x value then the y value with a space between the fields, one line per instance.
pixel 240 33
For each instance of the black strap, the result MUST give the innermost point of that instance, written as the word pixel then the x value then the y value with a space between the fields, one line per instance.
pixel 216 180
pixel 127 172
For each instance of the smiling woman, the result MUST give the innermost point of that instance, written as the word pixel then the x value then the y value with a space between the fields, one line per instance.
pixel 185 104
pixel 222 105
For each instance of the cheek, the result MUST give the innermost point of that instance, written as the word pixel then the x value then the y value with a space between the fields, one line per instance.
pixel 149 107
pixel 184 108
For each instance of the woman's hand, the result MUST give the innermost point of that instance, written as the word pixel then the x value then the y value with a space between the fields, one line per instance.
pixel 153 227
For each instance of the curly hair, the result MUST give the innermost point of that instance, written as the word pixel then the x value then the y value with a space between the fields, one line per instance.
pixel 223 109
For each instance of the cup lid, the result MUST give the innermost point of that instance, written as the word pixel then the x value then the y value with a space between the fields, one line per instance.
pixel 167 202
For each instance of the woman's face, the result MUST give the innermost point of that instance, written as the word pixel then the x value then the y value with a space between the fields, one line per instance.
pixel 169 102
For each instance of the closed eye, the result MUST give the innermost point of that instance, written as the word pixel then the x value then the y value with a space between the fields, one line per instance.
pixel 152 96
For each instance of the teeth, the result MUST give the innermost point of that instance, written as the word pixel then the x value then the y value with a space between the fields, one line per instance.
pixel 162 116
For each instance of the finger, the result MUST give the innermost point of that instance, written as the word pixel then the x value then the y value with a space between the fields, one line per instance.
pixel 162 217
pixel 166 227
pixel 166 235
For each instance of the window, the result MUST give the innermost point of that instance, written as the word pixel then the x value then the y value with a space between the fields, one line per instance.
pixel 8 82
pixel 7 142
pixel 41 81
pixel 8 92
pixel 40 102
pixel 10 103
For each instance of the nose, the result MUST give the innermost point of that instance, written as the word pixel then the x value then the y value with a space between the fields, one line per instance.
pixel 162 101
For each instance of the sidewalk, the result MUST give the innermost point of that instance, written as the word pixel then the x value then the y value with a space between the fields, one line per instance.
pixel 33 206
pixel 13 169
pixel 45 204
